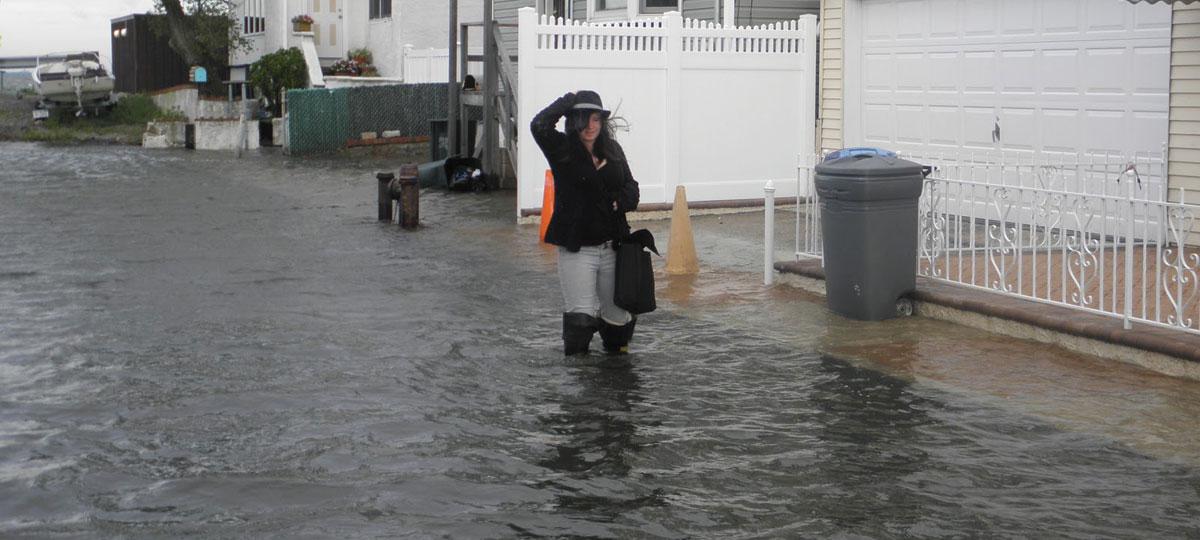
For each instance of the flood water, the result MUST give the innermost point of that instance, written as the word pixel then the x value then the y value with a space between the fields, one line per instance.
pixel 196 345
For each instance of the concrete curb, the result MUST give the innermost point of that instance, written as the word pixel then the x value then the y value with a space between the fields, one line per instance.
pixel 1162 350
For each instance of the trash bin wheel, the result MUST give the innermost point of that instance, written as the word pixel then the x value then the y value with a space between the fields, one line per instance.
pixel 904 307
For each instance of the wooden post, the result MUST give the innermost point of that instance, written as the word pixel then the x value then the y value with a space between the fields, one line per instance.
pixel 527 40
pixel 410 197
pixel 490 80
pixel 385 195
pixel 464 142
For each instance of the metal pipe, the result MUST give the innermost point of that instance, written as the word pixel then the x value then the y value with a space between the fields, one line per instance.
pixel 410 197
pixel 769 233
pixel 452 89
pixel 385 195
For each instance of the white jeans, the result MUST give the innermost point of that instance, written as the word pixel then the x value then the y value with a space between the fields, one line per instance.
pixel 588 279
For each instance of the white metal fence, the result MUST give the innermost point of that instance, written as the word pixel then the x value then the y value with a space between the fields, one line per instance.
pixel 717 109
pixel 1098 234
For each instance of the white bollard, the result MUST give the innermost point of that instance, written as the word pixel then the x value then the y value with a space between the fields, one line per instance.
pixel 769 233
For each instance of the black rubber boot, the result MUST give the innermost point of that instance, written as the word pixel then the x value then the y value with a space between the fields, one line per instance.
pixel 616 338
pixel 577 332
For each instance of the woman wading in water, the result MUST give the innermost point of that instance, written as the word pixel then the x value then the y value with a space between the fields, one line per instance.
pixel 593 189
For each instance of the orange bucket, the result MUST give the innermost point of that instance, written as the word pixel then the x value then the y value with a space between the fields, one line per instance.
pixel 547 204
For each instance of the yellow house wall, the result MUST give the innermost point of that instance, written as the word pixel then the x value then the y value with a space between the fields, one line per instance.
pixel 1183 141
pixel 831 76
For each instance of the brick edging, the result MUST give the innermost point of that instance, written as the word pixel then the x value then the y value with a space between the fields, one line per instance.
pixel 351 143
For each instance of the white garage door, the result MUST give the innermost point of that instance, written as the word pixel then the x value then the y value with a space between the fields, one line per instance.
pixel 1047 76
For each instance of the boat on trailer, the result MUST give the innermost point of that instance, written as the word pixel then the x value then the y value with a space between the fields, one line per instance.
pixel 76 80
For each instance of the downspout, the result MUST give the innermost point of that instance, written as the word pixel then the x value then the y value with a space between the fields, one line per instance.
pixel 285 26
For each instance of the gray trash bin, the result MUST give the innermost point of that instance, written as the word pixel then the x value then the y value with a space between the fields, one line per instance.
pixel 869 228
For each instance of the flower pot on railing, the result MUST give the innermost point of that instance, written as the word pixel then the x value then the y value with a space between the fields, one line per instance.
pixel 302 23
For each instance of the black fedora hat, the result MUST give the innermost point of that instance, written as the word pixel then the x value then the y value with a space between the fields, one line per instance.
pixel 587 100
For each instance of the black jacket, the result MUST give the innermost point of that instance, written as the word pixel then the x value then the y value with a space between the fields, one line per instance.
pixel 583 195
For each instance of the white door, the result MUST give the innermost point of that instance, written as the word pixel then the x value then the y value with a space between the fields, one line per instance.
pixel 327 28
pixel 1036 77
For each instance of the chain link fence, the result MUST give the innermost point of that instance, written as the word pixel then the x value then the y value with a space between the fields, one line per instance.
pixel 326 120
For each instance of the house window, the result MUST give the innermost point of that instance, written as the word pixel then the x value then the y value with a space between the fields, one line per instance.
pixel 254 20
pixel 659 6
pixel 381 9
pixel 644 6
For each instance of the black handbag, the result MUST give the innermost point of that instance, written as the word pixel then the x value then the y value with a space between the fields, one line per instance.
pixel 635 275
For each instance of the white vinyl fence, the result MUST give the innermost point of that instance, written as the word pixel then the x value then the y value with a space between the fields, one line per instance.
pixel 431 65
pixel 1097 234
pixel 720 110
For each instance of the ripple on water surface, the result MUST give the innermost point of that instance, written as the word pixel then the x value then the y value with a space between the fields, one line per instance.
pixel 235 348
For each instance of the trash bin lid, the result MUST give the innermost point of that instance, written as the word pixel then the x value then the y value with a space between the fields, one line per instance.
pixel 869 166
pixel 858 151
pixel 867 177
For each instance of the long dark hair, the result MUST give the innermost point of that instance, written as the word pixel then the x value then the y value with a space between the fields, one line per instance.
pixel 605 147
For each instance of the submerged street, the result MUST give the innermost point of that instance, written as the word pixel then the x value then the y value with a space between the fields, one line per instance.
pixel 193 344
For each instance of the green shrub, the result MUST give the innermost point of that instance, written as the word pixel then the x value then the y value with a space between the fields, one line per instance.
pixel 134 109
pixel 279 70
pixel 50 134
pixel 131 110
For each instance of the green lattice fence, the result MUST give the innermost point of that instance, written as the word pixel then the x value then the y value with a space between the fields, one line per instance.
pixel 321 120
pixel 318 120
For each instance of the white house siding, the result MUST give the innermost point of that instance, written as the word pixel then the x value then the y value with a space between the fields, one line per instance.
pixel 270 40
pixel 751 13
pixel 1184 140
pixel 756 12
pixel 697 9
pixel 386 42
pixel 419 23
pixel 831 75
pixel 748 12
pixel 381 36
pixel 506 12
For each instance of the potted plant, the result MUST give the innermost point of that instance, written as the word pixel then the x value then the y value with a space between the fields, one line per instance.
pixel 346 68
pixel 302 23
pixel 361 55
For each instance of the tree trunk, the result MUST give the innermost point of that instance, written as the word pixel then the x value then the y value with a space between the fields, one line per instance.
pixel 181 32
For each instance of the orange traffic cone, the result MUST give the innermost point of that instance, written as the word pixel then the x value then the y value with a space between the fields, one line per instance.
pixel 681 247
pixel 547 204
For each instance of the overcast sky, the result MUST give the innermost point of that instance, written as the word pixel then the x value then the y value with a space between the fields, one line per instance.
pixel 33 27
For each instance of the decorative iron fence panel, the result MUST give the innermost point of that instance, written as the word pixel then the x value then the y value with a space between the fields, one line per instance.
pixel 1097 234
pixel 1118 256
